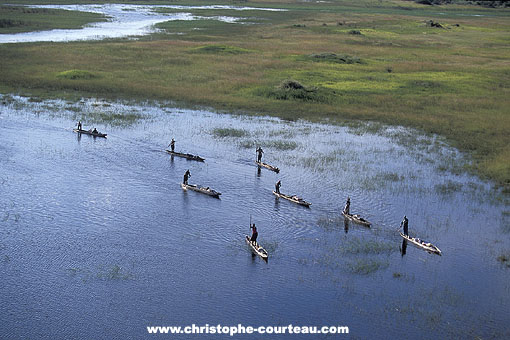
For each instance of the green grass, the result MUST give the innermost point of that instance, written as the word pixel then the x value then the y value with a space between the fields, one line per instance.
pixel 16 19
pixel 76 74
pixel 454 82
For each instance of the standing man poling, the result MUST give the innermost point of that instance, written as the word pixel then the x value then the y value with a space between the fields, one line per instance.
pixel 254 234
pixel 79 125
pixel 405 224
pixel 172 145
pixel 259 154
pixel 277 186
pixel 187 175
pixel 347 207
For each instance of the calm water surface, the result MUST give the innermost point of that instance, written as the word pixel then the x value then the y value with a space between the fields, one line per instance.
pixel 98 240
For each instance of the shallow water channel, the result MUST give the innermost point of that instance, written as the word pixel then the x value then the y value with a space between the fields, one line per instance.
pixel 98 240
pixel 124 21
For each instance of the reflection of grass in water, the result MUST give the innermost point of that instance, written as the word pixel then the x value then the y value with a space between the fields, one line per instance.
pixel 366 266
pixel 505 225
pixel 112 273
pixel 380 180
pixel 448 188
pixel 322 161
pixel 331 223
pixel 358 246
pixel 229 132
pixel 280 145
pixel 504 259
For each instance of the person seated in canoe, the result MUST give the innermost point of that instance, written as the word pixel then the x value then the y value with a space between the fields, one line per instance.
pixel 254 234
pixel 172 145
pixel 187 175
pixel 405 224
pixel 359 217
pixel 95 131
pixel 79 125
pixel 347 207
pixel 259 154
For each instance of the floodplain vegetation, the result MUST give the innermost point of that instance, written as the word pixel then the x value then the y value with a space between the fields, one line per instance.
pixel 440 69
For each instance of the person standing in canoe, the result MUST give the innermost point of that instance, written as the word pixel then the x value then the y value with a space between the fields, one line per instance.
pixel 405 224
pixel 277 186
pixel 347 207
pixel 187 175
pixel 79 125
pixel 172 145
pixel 254 233
pixel 259 154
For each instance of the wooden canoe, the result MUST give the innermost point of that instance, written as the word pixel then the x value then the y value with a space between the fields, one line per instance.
pixel 89 132
pixel 186 155
pixel 357 219
pixel 422 244
pixel 268 166
pixel 204 190
pixel 256 248
pixel 293 198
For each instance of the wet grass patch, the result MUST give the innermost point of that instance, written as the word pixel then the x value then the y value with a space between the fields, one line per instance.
pixel 229 133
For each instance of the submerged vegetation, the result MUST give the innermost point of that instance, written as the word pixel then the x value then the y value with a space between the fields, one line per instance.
pixel 454 82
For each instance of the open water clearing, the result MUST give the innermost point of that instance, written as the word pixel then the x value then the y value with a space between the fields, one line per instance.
pixel 98 240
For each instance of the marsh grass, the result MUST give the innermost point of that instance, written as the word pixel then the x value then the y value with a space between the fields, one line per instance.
pixel 229 133
pixel 106 117
pixel 18 19
pixel 504 259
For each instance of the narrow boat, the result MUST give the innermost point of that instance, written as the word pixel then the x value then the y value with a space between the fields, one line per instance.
pixel 89 132
pixel 268 166
pixel 357 219
pixel 293 198
pixel 257 249
pixel 203 190
pixel 422 244
pixel 186 155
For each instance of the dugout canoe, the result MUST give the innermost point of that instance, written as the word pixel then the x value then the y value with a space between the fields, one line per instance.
pixel 422 244
pixel 293 198
pixel 257 248
pixel 89 132
pixel 186 155
pixel 204 190
pixel 356 219
pixel 268 166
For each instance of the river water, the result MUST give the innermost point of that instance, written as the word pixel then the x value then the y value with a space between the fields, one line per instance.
pixel 124 21
pixel 98 240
